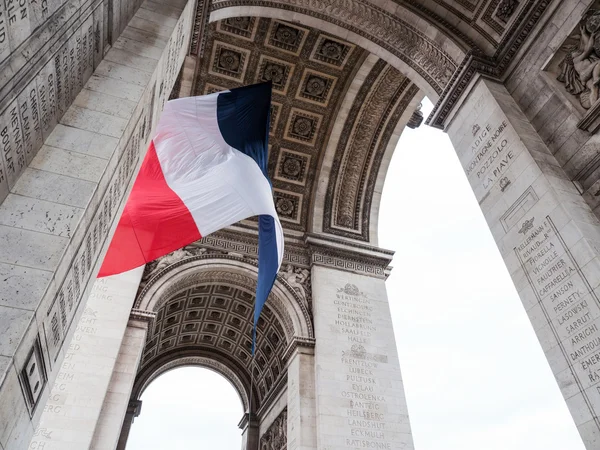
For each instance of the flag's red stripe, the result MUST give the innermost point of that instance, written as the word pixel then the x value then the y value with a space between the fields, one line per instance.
pixel 155 222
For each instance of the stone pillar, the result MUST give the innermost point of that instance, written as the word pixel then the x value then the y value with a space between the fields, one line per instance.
pixel 360 400
pixel 116 403
pixel 250 428
pixel 188 76
pixel 301 407
pixel 548 236
pixel 73 408
pixel 57 217
pixel 134 407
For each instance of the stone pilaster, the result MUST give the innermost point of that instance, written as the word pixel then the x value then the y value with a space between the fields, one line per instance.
pixel 301 406
pixel 250 430
pixel 116 402
pixel 548 236
pixel 134 407
pixel 73 410
pixel 360 400
pixel 57 217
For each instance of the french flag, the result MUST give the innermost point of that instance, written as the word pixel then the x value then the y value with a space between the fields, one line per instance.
pixel 205 169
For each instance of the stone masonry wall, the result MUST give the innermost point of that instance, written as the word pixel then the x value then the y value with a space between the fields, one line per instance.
pixel 553 112
pixel 93 106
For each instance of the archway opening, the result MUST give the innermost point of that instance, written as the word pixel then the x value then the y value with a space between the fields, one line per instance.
pixel 188 408
pixel 454 306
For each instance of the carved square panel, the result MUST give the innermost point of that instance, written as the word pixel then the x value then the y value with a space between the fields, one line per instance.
pixel 331 51
pixel 302 126
pixel 33 375
pixel 229 61
pixel 292 166
pixel 275 70
pixel 288 205
pixel 212 88
pixel 275 113
pixel 286 37
pixel 243 27
pixel 315 87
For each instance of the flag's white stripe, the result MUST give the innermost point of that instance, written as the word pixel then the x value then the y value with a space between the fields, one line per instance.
pixel 218 184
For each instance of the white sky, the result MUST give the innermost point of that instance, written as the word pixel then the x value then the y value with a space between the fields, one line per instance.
pixel 474 373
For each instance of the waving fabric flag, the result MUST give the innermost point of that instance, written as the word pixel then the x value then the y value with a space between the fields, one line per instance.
pixel 205 169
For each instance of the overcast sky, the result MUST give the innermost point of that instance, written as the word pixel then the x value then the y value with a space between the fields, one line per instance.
pixel 474 373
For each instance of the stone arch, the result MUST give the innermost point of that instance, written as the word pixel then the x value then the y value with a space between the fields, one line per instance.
pixel 355 162
pixel 204 307
pixel 414 46
pixel 235 270
pixel 190 359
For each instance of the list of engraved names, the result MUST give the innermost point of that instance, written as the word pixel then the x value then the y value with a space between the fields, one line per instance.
pixel 565 296
pixel 365 417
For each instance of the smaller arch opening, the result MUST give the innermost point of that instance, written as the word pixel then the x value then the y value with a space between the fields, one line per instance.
pixel 188 408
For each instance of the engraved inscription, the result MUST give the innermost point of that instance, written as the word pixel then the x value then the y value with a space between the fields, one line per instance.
pixel 366 416
pixel 11 142
pixel 492 155
pixel 569 304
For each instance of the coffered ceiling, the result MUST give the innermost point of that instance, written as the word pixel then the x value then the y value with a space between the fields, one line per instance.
pixel 311 72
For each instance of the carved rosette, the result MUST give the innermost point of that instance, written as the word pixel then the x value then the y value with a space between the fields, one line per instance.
pixel 365 19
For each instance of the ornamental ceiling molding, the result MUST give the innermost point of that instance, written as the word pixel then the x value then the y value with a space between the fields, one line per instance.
pixel 376 111
pixel 493 67
pixel 188 271
pixel 310 71
pixel 401 39
pixel 350 256
pixel 215 321
pixel 246 244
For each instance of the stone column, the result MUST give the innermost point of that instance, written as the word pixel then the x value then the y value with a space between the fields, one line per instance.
pixel 301 407
pixel 250 428
pixel 73 409
pixel 116 402
pixel 360 402
pixel 188 76
pixel 134 407
pixel 547 234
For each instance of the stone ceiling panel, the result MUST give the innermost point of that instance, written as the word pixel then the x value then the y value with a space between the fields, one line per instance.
pixel 217 319
pixel 310 72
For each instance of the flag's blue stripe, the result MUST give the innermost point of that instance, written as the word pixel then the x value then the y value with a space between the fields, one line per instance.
pixel 243 116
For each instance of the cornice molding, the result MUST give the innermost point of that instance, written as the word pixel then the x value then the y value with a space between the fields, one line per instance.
pixel 493 67
pixel 349 256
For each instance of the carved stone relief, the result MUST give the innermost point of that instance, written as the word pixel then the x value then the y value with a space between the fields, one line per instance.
pixel 579 69
pixel 365 136
pixel 275 438
pixel 506 9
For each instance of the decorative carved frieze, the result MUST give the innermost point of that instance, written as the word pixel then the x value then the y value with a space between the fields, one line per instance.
pixel 376 24
pixel 491 66
pixel 349 256
pixel 198 39
pixel 576 65
pixel 275 438
pixel 375 112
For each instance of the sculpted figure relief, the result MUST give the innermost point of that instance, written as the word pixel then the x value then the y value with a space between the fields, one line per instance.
pixel 275 438
pixel 580 68
pixel 297 278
